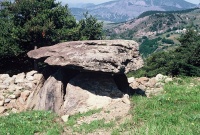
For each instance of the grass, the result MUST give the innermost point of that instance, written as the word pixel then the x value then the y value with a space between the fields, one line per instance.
pixel 175 112
pixel 88 127
pixel 85 128
pixel 29 123
pixel 73 119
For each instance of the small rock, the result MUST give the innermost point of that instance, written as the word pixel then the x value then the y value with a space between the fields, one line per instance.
pixel 3 86
pixel 2 97
pixel 159 85
pixel 14 110
pixel 30 78
pixel 25 94
pixel 8 81
pixel 21 101
pixel 1 103
pixel 160 77
pixel 12 96
pixel 142 80
pixel 167 80
pixel 7 100
pixel 12 88
pixel 2 110
pixel 65 118
pixel 18 88
pixel 17 93
pixel 20 78
pixel 12 104
pixel 37 76
pixel 4 76
pixel 31 73
pixel 134 85
pixel 151 83
pixel 29 85
pixel 142 87
pixel 126 100
pixel 131 80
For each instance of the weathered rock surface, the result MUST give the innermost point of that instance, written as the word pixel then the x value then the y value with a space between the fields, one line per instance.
pixel 115 56
pixel 50 96
pixel 85 91
pixel 89 91
pixel 149 86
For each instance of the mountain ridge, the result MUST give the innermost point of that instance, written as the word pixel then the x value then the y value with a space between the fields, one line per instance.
pixel 123 10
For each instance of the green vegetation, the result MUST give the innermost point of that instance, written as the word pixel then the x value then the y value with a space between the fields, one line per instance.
pixel 72 120
pixel 88 127
pixel 29 24
pixel 29 123
pixel 174 112
pixel 147 13
pixel 184 60
pixel 148 46
pixel 167 41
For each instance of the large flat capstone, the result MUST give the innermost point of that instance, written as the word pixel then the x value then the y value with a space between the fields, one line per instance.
pixel 115 56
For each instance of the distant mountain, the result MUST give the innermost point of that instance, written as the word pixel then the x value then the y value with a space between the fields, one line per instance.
pixel 123 10
pixel 80 5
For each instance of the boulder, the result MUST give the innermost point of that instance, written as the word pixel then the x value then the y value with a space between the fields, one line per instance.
pixel 131 80
pixel 8 81
pixel 4 76
pixel 167 80
pixel 31 73
pixel 1 102
pixel 160 77
pixel 89 91
pixel 68 94
pixel 50 96
pixel 25 94
pixel 3 86
pixel 115 56
pixel 2 109
pixel 20 78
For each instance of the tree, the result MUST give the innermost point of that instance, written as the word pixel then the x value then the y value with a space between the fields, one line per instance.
pixel 90 28
pixel 28 24
pixel 8 46
pixel 184 60
pixel 42 22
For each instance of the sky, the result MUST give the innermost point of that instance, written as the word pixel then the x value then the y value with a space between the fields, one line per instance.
pixel 101 1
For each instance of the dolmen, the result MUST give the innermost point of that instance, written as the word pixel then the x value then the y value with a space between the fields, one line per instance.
pixel 83 75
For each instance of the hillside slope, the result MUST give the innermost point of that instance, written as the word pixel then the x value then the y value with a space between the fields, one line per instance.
pixel 154 23
pixel 122 10
pixel 156 30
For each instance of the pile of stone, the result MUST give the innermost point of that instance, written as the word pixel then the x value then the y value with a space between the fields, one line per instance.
pixel 149 86
pixel 15 90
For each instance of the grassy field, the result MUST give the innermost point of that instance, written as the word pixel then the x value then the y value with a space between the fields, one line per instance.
pixel 175 112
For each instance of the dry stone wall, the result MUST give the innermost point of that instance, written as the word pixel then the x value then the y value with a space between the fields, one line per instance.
pixel 15 90
pixel 148 86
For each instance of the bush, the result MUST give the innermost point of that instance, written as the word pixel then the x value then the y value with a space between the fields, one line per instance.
pixel 184 61
pixel 167 41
